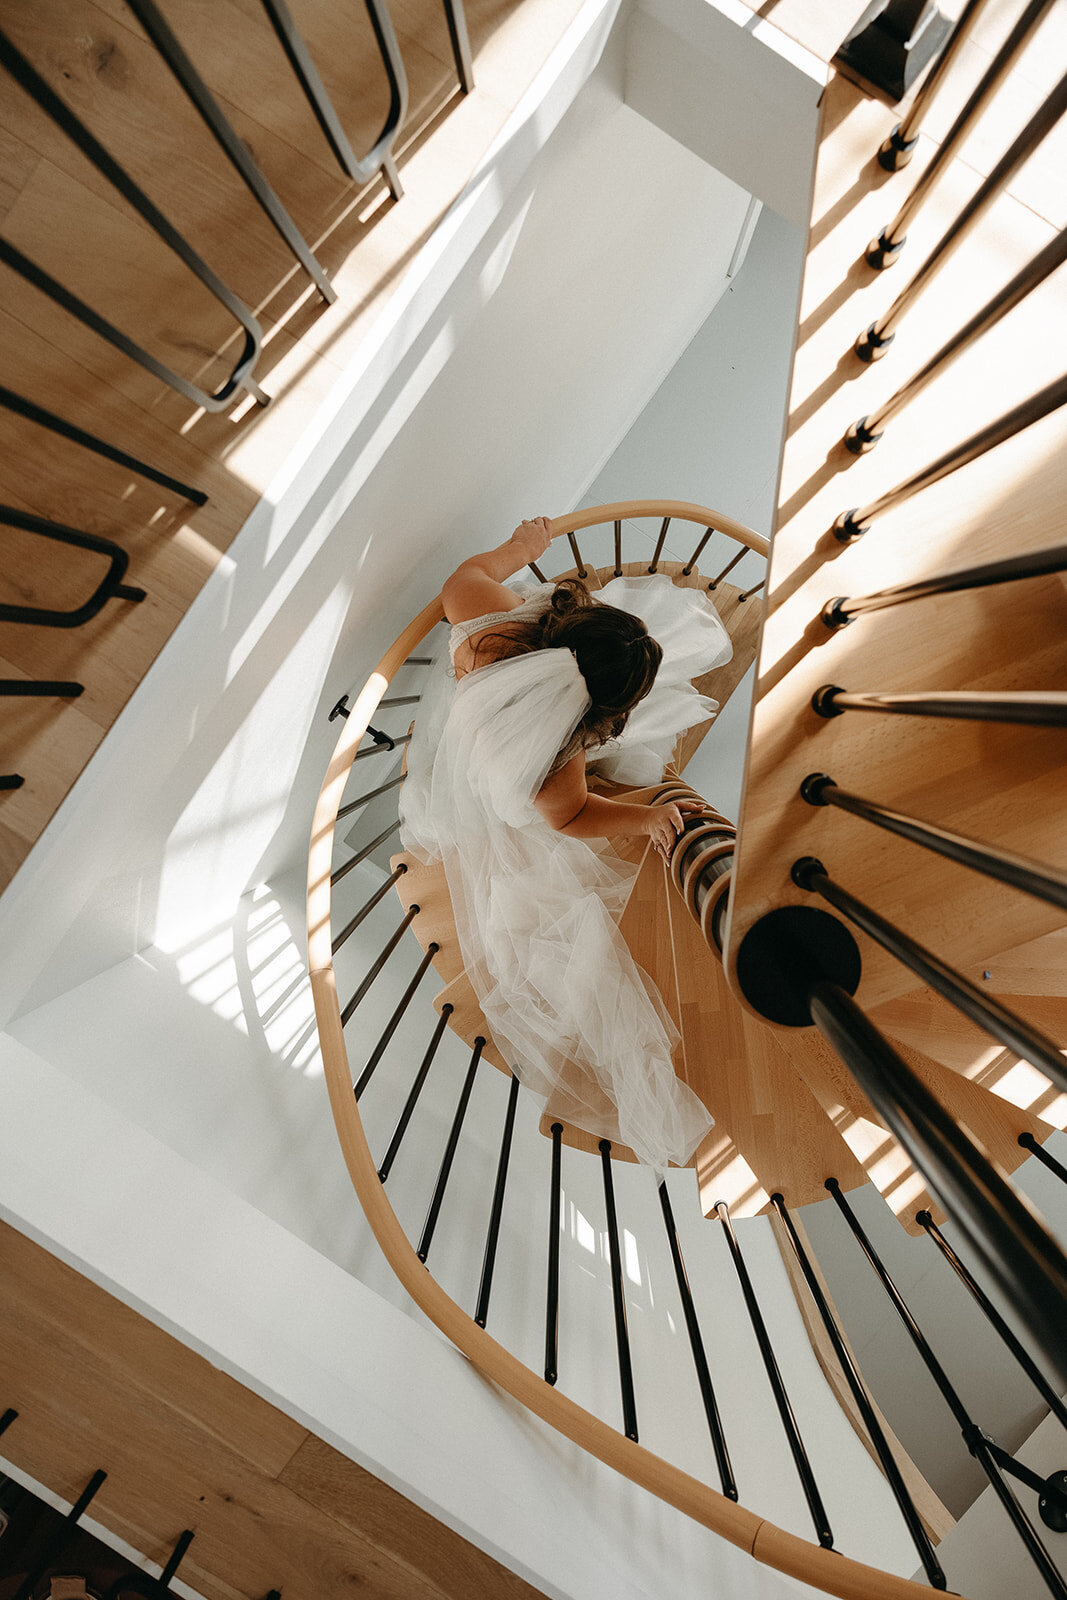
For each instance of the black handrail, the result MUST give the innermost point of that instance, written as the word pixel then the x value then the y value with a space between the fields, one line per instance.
pixel 1008 1236
pixel 1031 877
pixel 1004 1025
pixel 919 1536
pixel 111 586
pixel 493 1232
pixel 450 1152
pixel 618 1297
pixel 368 906
pixel 1046 1390
pixel 552 1290
pixel 67 430
pixel 1030 708
pixel 412 913
pixel 413 1095
pixel 696 1344
pixel 391 1026
pixel 823 1531
pixel 989 1459
pixel 843 609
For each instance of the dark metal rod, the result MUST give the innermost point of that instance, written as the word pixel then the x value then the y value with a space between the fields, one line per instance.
pixel 11 780
pixel 1008 1236
pixel 375 749
pixel 1041 123
pixel 664 525
pixel 299 57
pixel 493 1234
pixel 897 148
pixel 691 563
pixel 1020 872
pixel 987 1455
pixel 413 1095
pixel 1037 1149
pixel 361 855
pixel 166 42
pixel 12 59
pixel 552 1295
pixel 918 1533
pixel 755 589
pixel 577 554
pixel 618 548
pixel 419 661
pixel 174 1560
pixel 67 430
pixel 461 47
pixel 59 1538
pixel 785 1411
pixel 841 610
pixel 622 1336
pixel 865 433
pixel 7 1419
pixel 1028 707
pixel 368 906
pixel 852 524
pixel 111 586
pixel 1011 1030
pixel 354 805
pixel 729 567
pixel 696 1344
pixel 893 235
pixel 18 687
pixel 450 1152
pixel 413 912
pixel 391 1026
pixel 1018 1349
pixel 401 700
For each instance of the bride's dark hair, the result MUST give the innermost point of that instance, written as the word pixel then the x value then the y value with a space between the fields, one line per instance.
pixel 615 653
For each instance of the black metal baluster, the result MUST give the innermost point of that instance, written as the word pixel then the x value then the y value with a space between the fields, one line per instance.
pixel 60 113
pixel 1019 707
pixel 364 799
pixel 111 586
pixel 622 1336
pixel 368 906
pixel 996 1321
pixel 696 1344
pixel 391 1026
pixel 785 1411
pixel 400 700
pixel 54 1547
pixel 493 1235
pixel 361 855
pixel 918 1533
pixel 450 1152
pixel 1031 877
pixel 1010 1029
pixel 166 42
pixel 755 589
pixel 577 554
pixel 67 430
pixel 552 1295
pixel 984 1450
pixel 413 1095
pixel 843 609
pixel 413 912
pixel 184 1541
pixel 691 563
pixel 897 149
pixel 381 742
pixel 19 688
pixel 419 661
pixel 7 1419
pixel 618 547
pixel 536 570
pixel 729 567
pixel 1037 1149
pixel 664 525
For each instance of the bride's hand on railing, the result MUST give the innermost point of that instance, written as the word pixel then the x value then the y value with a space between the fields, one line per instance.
pixel 532 538
pixel 665 824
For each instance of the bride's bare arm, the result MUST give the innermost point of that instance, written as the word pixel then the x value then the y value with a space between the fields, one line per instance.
pixel 477 586
pixel 566 804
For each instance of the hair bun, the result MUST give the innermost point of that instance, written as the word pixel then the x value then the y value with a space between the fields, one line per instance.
pixel 564 601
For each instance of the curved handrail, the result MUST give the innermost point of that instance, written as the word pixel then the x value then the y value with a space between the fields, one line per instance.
pixel 831 1571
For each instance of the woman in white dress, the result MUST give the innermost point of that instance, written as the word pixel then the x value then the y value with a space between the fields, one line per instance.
pixel 543 686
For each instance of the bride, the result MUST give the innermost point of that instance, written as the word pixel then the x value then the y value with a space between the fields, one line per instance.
pixel 540 688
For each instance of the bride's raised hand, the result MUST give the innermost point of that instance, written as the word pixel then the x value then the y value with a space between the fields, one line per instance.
pixel 532 538
pixel 665 824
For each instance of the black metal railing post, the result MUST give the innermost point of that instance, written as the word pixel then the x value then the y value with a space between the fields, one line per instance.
pixel 843 609
pixel 492 1236
pixel 1037 1149
pixel 413 1095
pixel 1030 708
pixel 443 1175
pixel 618 1297
pixel 54 1548
pixel 368 906
pixel 897 149
pixel 552 1289
pixel 412 913
pixel 391 1026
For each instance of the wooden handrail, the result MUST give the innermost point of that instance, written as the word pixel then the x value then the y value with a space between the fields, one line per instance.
pixel 830 1571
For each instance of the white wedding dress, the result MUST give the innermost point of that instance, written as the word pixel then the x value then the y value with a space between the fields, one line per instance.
pixel 536 912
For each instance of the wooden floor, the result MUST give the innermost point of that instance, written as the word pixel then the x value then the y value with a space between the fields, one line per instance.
pixel 57 209
pixel 184 1446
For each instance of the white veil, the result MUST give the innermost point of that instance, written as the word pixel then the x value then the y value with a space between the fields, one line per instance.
pixel 573 1014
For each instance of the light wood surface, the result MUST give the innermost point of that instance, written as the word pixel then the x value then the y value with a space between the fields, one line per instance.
pixel 185 1446
pixel 60 211
pixel 1003 785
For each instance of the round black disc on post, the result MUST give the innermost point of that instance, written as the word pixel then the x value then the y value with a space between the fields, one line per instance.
pixel 788 951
